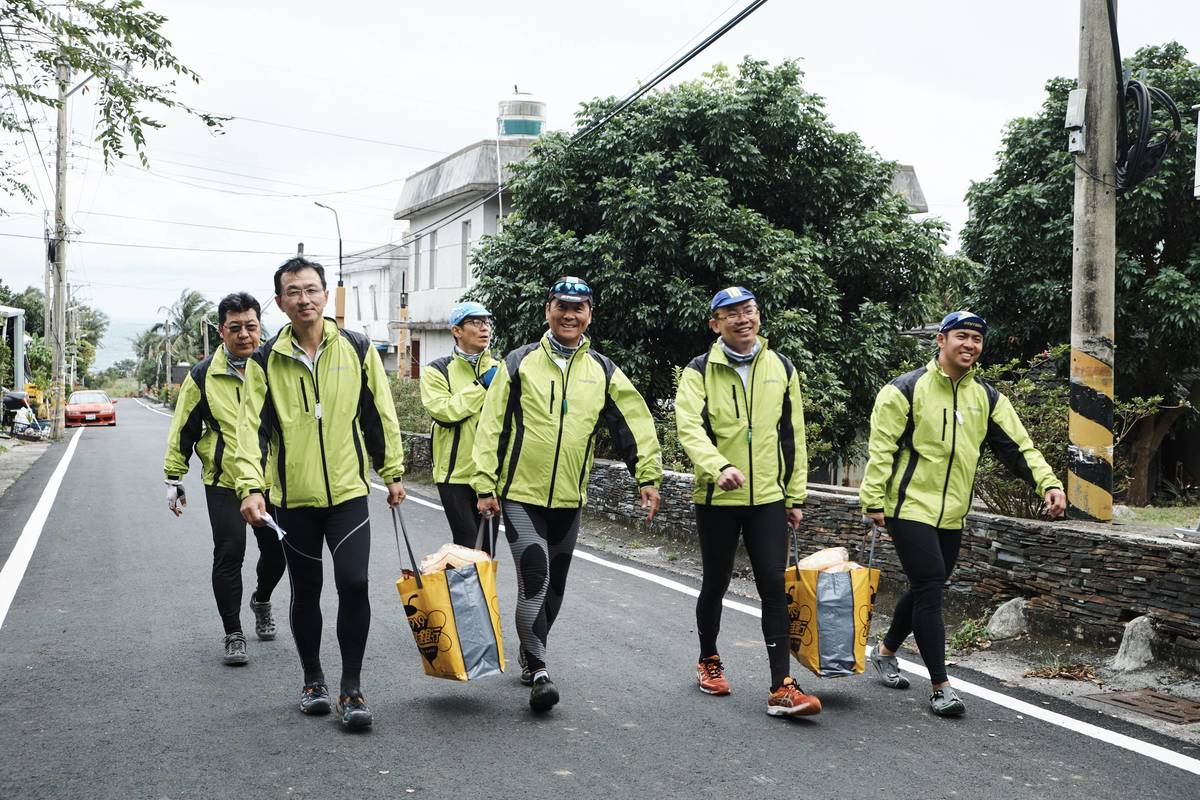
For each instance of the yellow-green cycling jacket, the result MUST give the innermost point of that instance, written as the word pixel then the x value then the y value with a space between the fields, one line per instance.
pixel 318 425
pixel 453 397
pixel 538 427
pixel 205 421
pixel 756 426
pixel 927 434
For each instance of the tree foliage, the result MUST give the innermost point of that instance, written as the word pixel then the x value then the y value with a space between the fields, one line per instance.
pixel 1020 231
pixel 731 179
pixel 91 324
pixel 119 42
pixel 178 338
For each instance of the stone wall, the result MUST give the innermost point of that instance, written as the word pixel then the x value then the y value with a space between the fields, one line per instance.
pixel 1082 580
pixel 418 452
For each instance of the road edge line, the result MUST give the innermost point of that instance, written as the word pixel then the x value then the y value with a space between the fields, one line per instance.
pixel 148 408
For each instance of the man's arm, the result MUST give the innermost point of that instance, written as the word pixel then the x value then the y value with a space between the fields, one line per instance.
pixel 689 423
pixel 377 416
pixel 795 448
pixel 889 418
pixel 256 421
pixel 187 426
pixel 1010 443
pixel 449 407
pixel 490 438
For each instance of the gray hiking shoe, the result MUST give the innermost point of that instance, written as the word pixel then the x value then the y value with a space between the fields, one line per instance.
pixel 264 622
pixel 235 649
pixel 945 703
pixel 888 669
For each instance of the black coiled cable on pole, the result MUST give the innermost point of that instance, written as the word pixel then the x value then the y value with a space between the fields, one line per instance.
pixel 1141 154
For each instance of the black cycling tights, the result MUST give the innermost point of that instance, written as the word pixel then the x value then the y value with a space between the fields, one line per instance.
pixel 928 555
pixel 765 533
pixel 347 530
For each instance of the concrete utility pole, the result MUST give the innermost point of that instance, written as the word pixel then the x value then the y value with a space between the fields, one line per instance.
pixel 57 420
pixel 1093 328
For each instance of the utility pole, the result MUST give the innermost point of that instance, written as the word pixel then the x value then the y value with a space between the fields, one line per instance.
pixel 47 309
pixel 57 420
pixel 339 297
pixel 204 331
pixel 1093 328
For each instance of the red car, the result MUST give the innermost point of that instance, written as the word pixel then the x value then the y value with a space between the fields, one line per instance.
pixel 90 408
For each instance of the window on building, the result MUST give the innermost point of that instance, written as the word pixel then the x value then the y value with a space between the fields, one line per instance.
pixel 466 252
pixel 433 248
pixel 374 304
pixel 416 281
pixel 357 304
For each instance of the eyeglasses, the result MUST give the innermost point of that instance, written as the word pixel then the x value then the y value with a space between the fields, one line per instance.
pixel 749 312
pixel 311 292
pixel 478 322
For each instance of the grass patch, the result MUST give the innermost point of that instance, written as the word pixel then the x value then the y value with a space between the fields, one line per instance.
pixel 971 634
pixel 1168 516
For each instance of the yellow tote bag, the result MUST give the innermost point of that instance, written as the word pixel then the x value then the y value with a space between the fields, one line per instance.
pixel 830 615
pixel 454 615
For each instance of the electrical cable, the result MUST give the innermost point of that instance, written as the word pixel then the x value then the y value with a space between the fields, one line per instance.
pixel 329 133
pixel 12 67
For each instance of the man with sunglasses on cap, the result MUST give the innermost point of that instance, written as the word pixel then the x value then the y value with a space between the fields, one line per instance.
pixel 928 429
pixel 741 422
pixel 533 453
pixel 453 389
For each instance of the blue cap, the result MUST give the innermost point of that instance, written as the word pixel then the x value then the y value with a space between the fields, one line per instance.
pixel 963 319
pixel 469 309
pixel 731 297
pixel 571 289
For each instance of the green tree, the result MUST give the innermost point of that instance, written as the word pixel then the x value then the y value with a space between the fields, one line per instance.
pixel 1020 231
pixel 117 45
pixel 34 303
pixel 731 179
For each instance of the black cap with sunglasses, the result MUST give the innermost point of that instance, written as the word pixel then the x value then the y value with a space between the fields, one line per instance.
pixel 570 289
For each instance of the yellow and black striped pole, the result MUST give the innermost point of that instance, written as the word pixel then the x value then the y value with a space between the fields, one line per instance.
pixel 1093 275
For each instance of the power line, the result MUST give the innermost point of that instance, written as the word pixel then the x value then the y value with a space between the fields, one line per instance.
pixel 213 227
pixel 331 133
pixel 156 246
pixel 28 117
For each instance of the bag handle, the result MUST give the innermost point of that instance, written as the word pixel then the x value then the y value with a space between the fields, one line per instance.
pixel 871 549
pixel 397 526
pixel 484 524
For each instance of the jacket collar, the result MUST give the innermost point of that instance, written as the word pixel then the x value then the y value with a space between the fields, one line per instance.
pixel 935 367
pixel 284 342
pixel 584 346
pixel 715 353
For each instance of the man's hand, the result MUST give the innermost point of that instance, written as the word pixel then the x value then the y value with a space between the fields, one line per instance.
pixel 488 507
pixel 651 500
pixel 1056 503
pixel 396 494
pixel 254 508
pixel 875 518
pixel 176 499
pixel 794 517
pixel 732 478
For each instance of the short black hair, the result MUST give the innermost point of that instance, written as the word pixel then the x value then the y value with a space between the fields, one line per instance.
pixel 237 302
pixel 294 265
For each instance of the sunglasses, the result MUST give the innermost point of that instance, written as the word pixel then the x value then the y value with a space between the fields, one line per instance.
pixel 570 287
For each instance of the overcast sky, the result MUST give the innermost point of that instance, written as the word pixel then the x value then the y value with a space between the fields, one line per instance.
pixel 925 82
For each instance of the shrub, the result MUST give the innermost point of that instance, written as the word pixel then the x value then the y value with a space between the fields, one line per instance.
pixel 406 394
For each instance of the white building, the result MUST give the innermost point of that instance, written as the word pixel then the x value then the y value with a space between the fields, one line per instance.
pixel 439 255
pixel 375 280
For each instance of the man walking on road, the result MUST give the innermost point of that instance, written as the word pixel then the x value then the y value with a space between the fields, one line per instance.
pixel 534 451
pixel 205 422
pixel 453 389
pixel 928 429
pixel 741 422
pixel 317 404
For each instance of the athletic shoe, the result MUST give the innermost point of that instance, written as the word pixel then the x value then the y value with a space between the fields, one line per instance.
pixel 354 712
pixel 264 622
pixel 888 669
pixel 789 701
pixel 544 693
pixel 235 649
pixel 314 698
pixel 945 703
pixel 526 672
pixel 710 674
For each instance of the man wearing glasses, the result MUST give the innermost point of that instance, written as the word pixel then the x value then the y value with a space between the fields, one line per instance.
pixel 316 404
pixel 453 389
pixel 534 451
pixel 741 421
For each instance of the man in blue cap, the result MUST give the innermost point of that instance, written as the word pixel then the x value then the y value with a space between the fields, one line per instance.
pixel 453 389
pixel 928 429
pixel 741 421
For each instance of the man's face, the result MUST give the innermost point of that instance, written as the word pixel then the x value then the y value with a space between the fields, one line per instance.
pixel 302 297
pixel 737 324
pixel 474 334
pixel 241 332
pixel 960 347
pixel 568 321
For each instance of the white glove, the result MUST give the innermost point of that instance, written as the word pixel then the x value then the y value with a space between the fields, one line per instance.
pixel 176 498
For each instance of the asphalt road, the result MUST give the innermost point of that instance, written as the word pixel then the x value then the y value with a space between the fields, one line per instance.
pixel 115 688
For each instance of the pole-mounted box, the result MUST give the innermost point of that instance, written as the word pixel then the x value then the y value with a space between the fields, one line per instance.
pixel 1077 130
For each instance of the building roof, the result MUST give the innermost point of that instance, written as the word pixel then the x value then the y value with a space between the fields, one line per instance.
pixel 383 256
pixel 905 183
pixel 471 170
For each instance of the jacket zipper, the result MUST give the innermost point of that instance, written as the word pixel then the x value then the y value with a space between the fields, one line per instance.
pixel 320 426
pixel 749 398
pixel 943 424
pixel 953 444
pixel 561 417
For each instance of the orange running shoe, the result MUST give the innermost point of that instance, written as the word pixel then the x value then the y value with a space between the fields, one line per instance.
pixel 710 673
pixel 789 701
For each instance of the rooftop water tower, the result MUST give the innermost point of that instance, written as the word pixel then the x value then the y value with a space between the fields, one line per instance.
pixel 522 114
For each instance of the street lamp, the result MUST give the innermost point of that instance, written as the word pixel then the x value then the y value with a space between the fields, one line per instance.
pixel 339 298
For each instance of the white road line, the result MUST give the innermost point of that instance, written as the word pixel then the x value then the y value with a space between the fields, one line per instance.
pixel 150 408
pixel 1153 751
pixel 22 552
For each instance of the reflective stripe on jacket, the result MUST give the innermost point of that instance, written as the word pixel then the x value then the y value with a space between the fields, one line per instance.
pixel 927 434
pixel 205 421
pixel 453 397
pixel 317 424
pixel 537 430
pixel 756 426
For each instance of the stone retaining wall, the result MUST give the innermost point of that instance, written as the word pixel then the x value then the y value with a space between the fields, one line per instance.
pixel 1082 580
